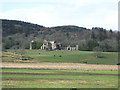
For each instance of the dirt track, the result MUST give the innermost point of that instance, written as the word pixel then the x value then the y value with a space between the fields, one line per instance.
pixel 70 66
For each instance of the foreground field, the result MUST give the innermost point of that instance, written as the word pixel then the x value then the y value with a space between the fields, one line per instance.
pixel 60 69
pixel 44 78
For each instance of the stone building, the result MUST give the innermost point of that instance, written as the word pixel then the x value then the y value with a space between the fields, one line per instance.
pixel 72 48
pixel 50 45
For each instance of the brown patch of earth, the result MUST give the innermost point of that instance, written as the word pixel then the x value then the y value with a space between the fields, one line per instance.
pixel 68 66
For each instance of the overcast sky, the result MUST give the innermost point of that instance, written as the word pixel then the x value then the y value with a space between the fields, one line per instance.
pixel 83 13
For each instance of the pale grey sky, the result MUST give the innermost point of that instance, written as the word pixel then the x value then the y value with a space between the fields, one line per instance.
pixel 83 13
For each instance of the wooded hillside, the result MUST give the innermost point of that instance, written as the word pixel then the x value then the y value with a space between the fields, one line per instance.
pixel 18 34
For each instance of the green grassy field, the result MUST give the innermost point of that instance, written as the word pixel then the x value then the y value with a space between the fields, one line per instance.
pixel 39 78
pixel 87 57
pixel 44 78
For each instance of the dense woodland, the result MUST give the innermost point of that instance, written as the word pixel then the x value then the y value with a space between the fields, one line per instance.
pixel 18 34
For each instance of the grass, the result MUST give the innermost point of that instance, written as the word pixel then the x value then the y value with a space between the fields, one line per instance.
pixel 87 57
pixel 27 70
pixel 44 78
pixel 57 79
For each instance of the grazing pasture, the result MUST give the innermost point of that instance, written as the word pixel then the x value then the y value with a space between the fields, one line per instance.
pixel 62 56
pixel 87 57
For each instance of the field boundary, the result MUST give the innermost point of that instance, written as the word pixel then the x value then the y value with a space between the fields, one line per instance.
pixel 73 74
